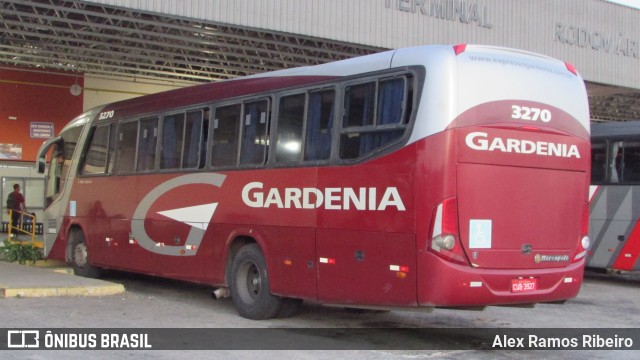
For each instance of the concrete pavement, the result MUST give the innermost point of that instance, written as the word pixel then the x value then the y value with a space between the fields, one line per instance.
pixel 50 278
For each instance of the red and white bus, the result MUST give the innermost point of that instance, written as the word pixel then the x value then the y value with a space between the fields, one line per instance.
pixel 436 176
pixel 615 210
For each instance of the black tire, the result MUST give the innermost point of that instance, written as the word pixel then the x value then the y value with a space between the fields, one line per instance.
pixel 250 285
pixel 80 257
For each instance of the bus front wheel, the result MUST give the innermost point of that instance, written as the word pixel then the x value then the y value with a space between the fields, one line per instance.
pixel 80 257
pixel 250 285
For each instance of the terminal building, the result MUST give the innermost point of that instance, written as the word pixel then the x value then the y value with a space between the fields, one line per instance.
pixel 61 57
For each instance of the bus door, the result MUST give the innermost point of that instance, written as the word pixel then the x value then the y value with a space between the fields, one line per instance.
pixel 56 178
pixel 59 154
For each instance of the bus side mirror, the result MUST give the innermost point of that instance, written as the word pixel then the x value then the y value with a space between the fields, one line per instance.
pixel 41 165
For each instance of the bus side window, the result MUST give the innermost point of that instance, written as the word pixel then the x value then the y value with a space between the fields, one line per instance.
pixel 111 156
pixel 631 162
pixel 598 162
pixel 192 140
pixel 95 161
pixel 126 144
pixel 359 107
pixel 254 133
pixel 360 104
pixel 376 115
pixel 289 133
pixel 320 112
pixel 172 139
pixel 147 142
pixel 615 162
pixel 391 104
pixel 226 132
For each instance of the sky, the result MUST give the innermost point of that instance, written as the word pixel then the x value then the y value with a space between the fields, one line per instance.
pixel 632 3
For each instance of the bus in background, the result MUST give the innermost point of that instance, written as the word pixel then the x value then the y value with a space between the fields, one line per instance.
pixel 615 197
pixel 435 176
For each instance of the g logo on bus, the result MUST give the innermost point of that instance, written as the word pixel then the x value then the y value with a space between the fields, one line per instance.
pixel 198 226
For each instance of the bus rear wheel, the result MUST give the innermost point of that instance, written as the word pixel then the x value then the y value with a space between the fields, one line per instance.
pixel 250 285
pixel 80 258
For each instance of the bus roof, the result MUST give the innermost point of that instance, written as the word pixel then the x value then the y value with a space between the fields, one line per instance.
pixel 439 59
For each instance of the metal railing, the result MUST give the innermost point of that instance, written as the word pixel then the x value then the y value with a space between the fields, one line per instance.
pixel 26 225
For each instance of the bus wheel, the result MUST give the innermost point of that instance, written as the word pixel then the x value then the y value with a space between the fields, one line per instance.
pixel 250 285
pixel 80 258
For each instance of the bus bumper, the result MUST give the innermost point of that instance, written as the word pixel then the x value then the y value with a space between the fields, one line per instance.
pixel 446 284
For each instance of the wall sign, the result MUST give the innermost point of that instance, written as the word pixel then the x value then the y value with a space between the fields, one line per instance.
pixel 41 130
pixel 11 151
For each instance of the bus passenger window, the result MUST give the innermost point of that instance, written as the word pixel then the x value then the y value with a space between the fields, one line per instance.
pixel 598 162
pixel 226 132
pixel 204 138
pixel 615 162
pixel 112 149
pixel 172 138
pixel 631 162
pixel 376 114
pixel 193 134
pixel 290 121
pixel 126 143
pixel 319 125
pixel 95 161
pixel 147 141
pixel 359 105
pixel 391 101
pixel 254 133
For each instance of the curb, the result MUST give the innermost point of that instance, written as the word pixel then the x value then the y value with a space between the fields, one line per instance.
pixel 67 283
pixel 105 290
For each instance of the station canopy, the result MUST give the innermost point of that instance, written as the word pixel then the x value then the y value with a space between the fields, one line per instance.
pixel 80 37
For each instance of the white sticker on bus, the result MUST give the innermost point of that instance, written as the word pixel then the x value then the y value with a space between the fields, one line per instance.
pixel 481 141
pixel 480 234
pixel 73 208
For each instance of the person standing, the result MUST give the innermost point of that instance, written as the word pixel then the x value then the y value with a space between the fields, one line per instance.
pixel 16 203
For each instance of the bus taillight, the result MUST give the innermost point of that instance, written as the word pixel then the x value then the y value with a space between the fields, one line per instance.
pixel 585 242
pixel 571 68
pixel 445 239
pixel 459 49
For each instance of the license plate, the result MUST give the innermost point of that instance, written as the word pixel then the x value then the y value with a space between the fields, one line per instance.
pixel 524 285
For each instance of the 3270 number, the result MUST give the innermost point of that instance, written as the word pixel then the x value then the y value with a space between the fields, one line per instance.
pixel 530 113
pixel 105 115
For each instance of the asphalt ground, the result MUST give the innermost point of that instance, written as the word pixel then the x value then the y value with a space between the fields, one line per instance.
pixel 33 294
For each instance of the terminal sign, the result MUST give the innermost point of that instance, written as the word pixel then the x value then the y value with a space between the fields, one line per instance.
pixel 454 10
pixel 610 42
